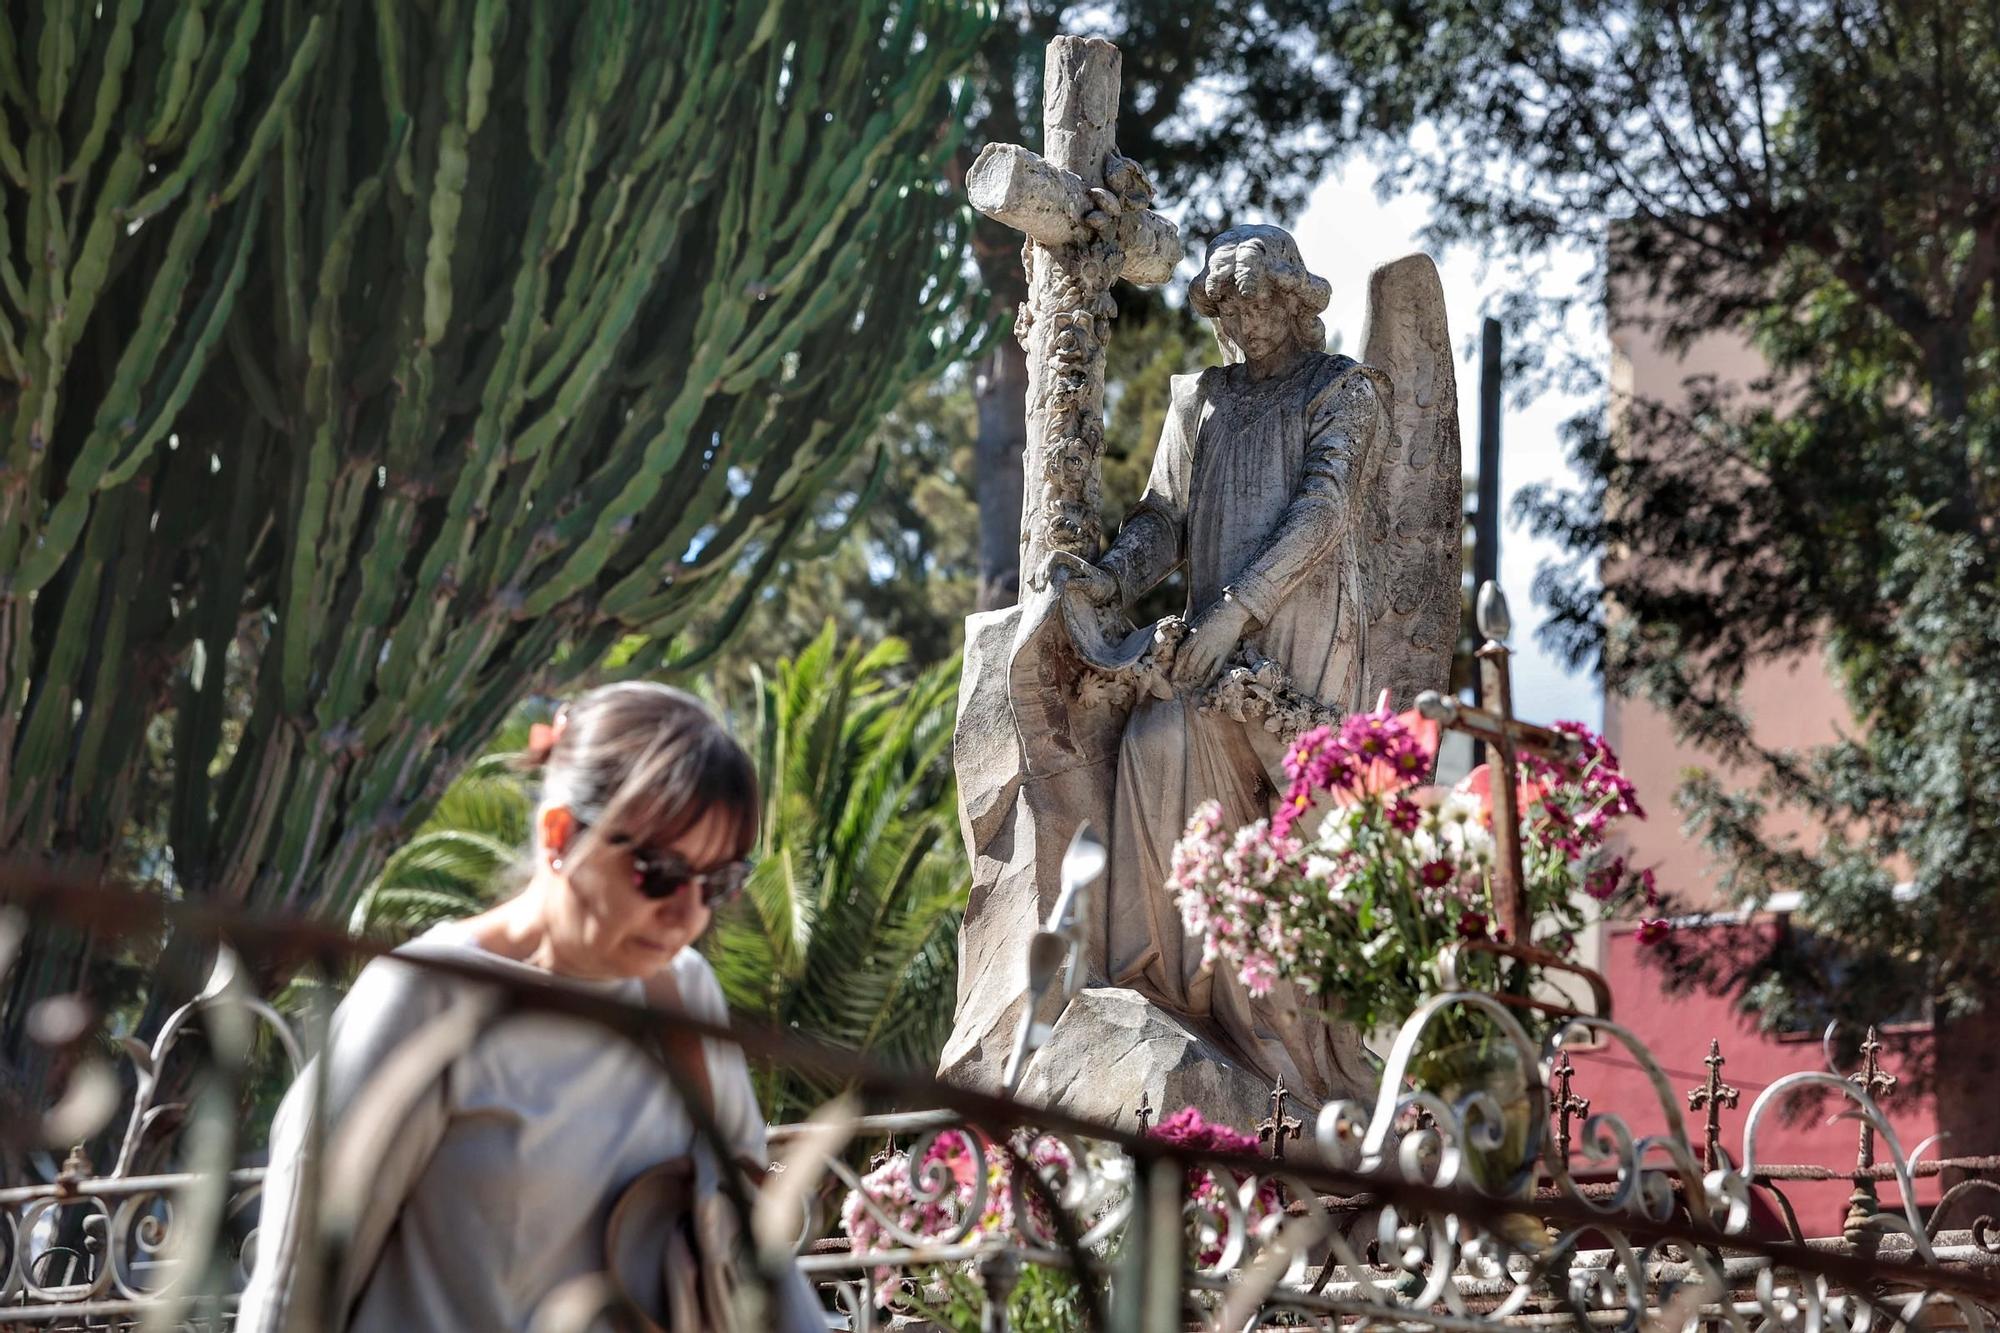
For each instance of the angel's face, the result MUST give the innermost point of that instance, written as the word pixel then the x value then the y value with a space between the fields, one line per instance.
pixel 1259 328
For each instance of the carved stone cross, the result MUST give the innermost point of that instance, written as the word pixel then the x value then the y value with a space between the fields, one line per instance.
pixel 1507 740
pixel 1710 1098
pixel 1086 212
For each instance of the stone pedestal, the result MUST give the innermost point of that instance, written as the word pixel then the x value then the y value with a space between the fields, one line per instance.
pixel 1111 1047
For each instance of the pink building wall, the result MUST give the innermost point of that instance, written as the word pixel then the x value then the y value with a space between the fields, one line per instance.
pixel 1677 1028
pixel 1791 703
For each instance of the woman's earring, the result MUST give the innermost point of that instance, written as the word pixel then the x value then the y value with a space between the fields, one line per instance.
pixel 555 863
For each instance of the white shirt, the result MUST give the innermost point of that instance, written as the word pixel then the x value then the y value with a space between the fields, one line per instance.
pixel 503 1169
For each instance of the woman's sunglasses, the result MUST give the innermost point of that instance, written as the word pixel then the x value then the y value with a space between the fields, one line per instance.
pixel 660 875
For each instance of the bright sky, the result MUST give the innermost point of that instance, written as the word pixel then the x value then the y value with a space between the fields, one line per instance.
pixel 1344 233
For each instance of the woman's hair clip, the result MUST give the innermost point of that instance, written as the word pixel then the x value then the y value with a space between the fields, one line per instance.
pixel 543 737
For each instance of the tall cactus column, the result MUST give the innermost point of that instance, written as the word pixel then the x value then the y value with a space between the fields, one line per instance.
pixel 132 141
pixel 369 367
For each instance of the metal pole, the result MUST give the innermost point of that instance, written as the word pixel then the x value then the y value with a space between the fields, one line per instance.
pixel 1486 514
pixel 1486 495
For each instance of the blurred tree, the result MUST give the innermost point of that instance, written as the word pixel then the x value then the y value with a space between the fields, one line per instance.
pixel 312 470
pixel 1823 176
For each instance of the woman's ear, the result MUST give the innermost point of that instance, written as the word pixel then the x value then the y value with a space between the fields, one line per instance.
pixel 557 826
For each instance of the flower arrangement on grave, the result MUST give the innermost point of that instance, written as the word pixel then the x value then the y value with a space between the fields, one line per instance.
pixel 1209 1211
pixel 1367 874
pixel 932 1199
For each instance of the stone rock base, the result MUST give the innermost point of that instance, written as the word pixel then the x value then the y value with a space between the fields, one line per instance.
pixel 1111 1047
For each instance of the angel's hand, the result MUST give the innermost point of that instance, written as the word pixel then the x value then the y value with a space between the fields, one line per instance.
pixel 1072 573
pixel 1209 642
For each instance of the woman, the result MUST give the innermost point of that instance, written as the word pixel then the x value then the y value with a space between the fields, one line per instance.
pixel 479 1190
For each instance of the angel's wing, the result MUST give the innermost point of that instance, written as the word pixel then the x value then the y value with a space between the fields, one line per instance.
pixel 1413 552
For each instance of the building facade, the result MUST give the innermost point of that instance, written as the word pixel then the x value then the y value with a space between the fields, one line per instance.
pixel 1792 703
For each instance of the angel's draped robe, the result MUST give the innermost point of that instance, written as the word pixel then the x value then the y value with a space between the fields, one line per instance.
pixel 1250 491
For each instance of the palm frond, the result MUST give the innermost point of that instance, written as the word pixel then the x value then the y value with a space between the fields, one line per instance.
pixel 849 929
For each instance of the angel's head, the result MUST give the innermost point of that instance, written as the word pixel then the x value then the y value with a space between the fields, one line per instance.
pixel 1256 288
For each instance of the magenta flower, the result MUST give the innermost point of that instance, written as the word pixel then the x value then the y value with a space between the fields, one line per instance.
pixel 1210 1220
pixel 1409 762
pixel 1654 930
pixel 1597 772
pixel 1605 880
pixel 1404 815
pixel 1366 735
pixel 1305 751
pixel 1297 801
pixel 1186 1129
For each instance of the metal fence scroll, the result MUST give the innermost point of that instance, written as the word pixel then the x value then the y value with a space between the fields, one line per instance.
pixel 1489 1204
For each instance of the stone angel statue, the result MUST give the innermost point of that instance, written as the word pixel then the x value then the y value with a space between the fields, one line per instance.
pixel 1313 503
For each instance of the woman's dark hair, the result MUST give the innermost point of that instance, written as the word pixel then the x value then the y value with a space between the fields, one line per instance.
pixel 646 759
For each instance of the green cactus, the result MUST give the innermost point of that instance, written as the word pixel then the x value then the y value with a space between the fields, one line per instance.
pixel 365 368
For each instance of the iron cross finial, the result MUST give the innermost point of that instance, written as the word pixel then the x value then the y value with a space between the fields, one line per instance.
pixel 1712 1096
pixel 1145 1111
pixel 1877 1083
pixel 1568 1105
pixel 1872 1079
pixel 1278 1127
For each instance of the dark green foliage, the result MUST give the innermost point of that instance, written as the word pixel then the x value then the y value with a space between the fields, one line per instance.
pixel 848 931
pixel 459 341
pixel 364 368
pixel 1823 176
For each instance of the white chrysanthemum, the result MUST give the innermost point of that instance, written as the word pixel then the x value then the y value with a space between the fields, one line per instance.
pixel 1460 808
pixel 1336 832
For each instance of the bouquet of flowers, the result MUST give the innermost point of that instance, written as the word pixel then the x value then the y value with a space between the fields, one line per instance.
pixel 932 1195
pixel 1355 887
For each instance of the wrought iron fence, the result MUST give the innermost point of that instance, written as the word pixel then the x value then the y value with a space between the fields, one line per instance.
pixel 1420 1210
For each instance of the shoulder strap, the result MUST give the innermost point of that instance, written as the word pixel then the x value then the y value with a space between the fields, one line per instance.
pixel 679 1049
